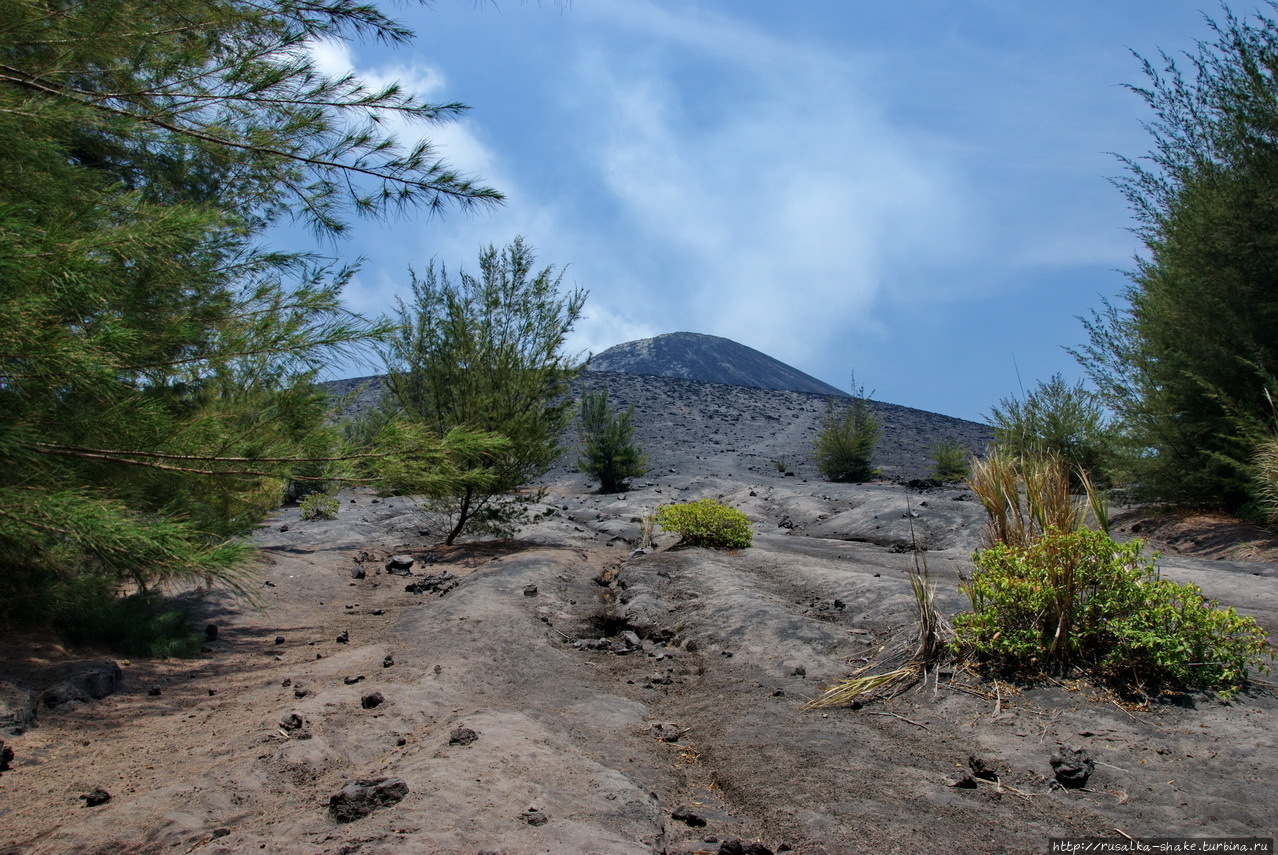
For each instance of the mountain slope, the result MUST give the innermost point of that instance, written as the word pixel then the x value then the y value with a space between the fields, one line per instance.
pixel 711 359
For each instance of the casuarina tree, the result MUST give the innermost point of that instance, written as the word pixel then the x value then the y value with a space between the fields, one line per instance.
pixel 157 352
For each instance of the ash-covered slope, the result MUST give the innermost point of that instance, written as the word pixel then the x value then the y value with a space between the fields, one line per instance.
pixel 710 359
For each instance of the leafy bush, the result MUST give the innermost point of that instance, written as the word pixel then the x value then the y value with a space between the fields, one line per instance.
pixel 319 506
pixel 1082 598
pixel 949 460
pixel 707 522
pixel 846 440
pixel 608 452
pixel 143 624
pixel 1060 420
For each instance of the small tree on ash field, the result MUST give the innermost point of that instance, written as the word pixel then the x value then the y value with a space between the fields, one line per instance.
pixel 845 443
pixel 485 353
pixel 608 449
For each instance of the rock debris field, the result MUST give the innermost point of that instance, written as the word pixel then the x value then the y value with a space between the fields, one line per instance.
pixel 568 692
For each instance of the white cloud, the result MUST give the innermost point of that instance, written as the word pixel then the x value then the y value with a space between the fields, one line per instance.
pixel 785 212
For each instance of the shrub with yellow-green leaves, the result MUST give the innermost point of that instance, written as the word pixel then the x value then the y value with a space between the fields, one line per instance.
pixel 706 522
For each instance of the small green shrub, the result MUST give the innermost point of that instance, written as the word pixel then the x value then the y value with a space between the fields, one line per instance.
pixel 141 624
pixel 707 522
pixel 608 449
pixel 319 506
pixel 1082 598
pixel 846 440
pixel 1060 420
pixel 949 460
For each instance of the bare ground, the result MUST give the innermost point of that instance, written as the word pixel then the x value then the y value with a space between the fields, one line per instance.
pixel 695 735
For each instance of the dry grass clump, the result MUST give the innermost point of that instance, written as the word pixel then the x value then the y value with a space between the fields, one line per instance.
pixel 929 647
pixel 1025 497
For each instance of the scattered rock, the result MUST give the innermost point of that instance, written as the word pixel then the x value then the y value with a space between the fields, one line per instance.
pixel 388 661
pixel 982 768
pixel 344 637
pixel 96 796
pixel 85 681
pixel 284 527
pixel 154 691
pixel 530 591
pixel 667 731
pixel 372 700
pixel 362 796
pixel 17 708
pixel 462 736
pixel 440 583
pixel 350 681
pixel 6 756
pixel 535 816
pixel 732 846
pixel 358 572
pixel 685 815
pixel 400 565
pixel 279 639
pixel 293 722
pixel 962 781
pixel 1072 767
pixel 210 632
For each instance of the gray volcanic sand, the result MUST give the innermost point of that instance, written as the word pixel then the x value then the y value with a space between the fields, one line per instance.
pixel 583 746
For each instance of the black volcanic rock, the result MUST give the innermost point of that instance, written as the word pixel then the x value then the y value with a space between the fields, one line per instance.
pixel 710 359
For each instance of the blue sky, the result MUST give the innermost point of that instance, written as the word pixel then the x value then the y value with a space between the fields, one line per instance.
pixel 916 190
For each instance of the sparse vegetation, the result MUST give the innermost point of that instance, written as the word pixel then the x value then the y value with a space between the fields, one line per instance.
pixel 318 506
pixel 1080 598
pixel 846 439
pixel 608 451
pixel 486 354
pixel 1024 497
pixel 706 522
pixel 931 645
pixel 1057 420
pixel 950 460
pixel 1188 363
pixel 157 354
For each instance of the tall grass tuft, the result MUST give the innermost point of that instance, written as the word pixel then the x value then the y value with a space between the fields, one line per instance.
pixel 1025 497
pixel 932 643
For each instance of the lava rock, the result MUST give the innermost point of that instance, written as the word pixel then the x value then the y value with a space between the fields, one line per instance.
pixel 462 736
pixel 96 796
pixel 441 584
pixel 1072 767
pixel 685 815
pixel 344 637
pixel 535 816
pixel 667 731
pixel 982 768
pixel 293 722
pixel 87 681
pixel 388 661
pixel 362 796
pixel 372 700
pixel 400 565
pixel 17 708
